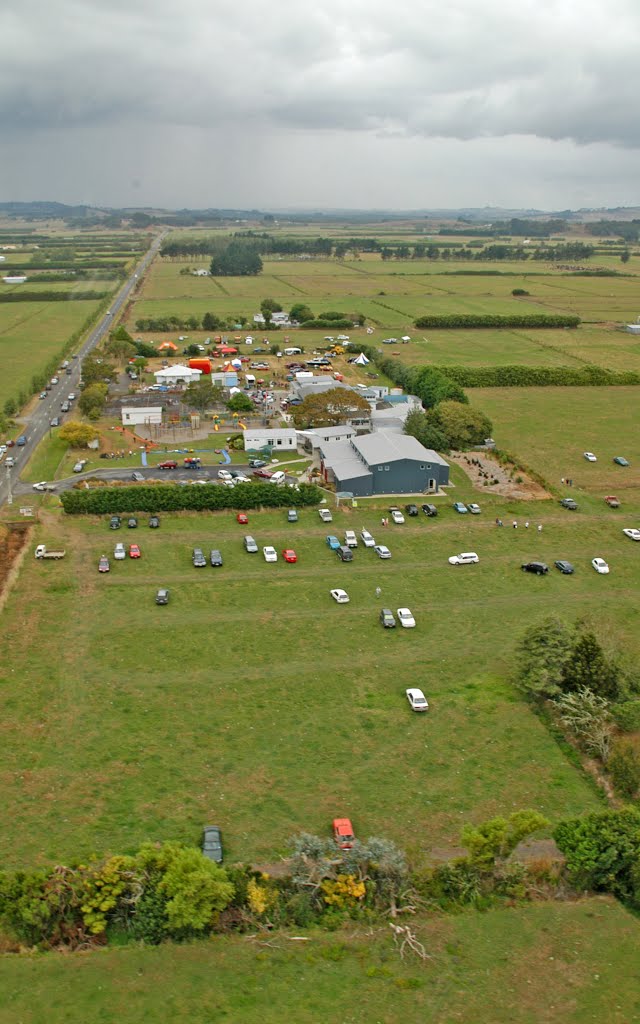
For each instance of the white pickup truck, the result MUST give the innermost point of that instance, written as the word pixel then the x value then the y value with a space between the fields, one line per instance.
pixel 41 552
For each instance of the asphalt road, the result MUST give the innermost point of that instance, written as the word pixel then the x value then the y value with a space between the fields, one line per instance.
pixel 208 473
pixel 37 423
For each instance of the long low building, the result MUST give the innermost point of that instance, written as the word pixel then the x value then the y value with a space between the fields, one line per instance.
pixel 144 414
pixel 257 438
pixel 383 463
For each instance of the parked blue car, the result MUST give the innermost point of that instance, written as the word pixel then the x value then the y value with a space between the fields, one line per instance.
pixel 459 507
pixel 333 542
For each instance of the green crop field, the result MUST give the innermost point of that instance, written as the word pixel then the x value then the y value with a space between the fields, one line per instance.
pixel 550 428
pixel 563 963
pixel 31 333
pixel 255 701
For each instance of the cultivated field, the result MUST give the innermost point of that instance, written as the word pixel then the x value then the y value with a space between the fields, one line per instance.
pixel 557 963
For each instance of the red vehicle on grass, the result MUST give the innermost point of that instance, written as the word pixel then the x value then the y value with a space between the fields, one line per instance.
pixel 243 518
pixel 343 833
pixel 289 555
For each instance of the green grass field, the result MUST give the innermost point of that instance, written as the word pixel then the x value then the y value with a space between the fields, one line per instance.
pixel 564 963
pixel 30 334
pixel 550 428
pixel 255 701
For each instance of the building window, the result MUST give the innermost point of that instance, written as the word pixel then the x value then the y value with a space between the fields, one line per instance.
pixel 380 468
pixel 422 466
pixel 386 469
pixel 278 440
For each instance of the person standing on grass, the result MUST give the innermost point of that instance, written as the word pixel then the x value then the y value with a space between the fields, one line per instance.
pixel 539 527
pixel 515 524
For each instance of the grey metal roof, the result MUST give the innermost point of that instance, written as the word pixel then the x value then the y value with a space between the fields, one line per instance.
pixel 385 446
pixel 341 459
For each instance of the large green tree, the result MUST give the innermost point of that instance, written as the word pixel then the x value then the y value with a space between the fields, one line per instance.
pixel 77 434
pixel 417 425
pixel 202 394
pixel 588 667
pixel 240 403
pixel 330 408
pixel 461 424
pixel 236 259
pixel 541 654
pixel 300 312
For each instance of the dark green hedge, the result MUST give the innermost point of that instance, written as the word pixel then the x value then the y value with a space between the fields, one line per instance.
pixel 174 498
pixel 322 323
pixel 43 296
pixel 537 376
pixel 477 320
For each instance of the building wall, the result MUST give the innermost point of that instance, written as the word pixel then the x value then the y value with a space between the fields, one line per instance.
pixel 132 416
pixel 407 477
pixel 254 440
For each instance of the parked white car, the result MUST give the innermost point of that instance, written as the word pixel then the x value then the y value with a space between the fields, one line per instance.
pixel 242 479
pixel 466 558
pixel 590 457
pixel 325 515
pixel 350 539
pixel 397 516
pixel 119 552
pixel 417 699
pixel 340 596
pixel 270 554
pixel 405 618
pixel 633 534
pixel 367 539
pixel 600 566
pixel 224 474
pixel 382 551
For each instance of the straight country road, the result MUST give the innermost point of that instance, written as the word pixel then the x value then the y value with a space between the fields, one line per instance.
pixel 36 423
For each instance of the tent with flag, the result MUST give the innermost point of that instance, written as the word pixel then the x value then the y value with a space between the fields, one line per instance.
pixel 361 360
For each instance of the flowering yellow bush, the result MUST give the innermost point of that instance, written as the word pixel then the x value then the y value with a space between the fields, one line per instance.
pixel 259 897
pixel 345 891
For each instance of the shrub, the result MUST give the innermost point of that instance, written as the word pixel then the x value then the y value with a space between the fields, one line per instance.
pixel 624 766
pixel 602 852
pixel 493 320
pixel 627 715
pixel 173 498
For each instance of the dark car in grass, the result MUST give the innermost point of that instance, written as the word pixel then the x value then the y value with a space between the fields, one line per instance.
pixel 198 558
pixel 387 618
pixel 538 568
pixel 212 844
pixel 429 510
pixel 344 553
pixel 215 558
pixel 162 596
pixel 411 510
pixel 132 523
pixel 115 523
pixel 154 522
pixel 565 567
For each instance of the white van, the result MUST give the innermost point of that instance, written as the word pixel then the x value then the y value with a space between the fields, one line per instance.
pixel 293 351
pixel 278 477
pixel 250 379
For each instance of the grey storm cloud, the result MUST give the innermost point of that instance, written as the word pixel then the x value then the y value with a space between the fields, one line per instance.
pixel 462 69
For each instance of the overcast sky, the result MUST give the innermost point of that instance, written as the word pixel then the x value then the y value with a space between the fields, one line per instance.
pixel 334 103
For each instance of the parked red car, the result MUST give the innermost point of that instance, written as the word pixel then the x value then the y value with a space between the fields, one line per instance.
pixel 263 473
pixel 289 555
pixel 134 551
pixel 168 464
pixel 343 833
pixel 243 518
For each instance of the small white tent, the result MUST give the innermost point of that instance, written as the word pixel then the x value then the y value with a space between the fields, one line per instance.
pixel 361 360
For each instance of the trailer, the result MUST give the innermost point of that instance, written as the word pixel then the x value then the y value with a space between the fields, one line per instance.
pixel 41 552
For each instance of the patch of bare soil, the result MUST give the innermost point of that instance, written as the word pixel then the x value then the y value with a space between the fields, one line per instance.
pixel 13 547
pixel 491 477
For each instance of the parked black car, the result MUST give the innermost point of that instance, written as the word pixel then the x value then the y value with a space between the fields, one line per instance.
pixel 132 522
pixel 162 596
pixel 387 618
pixel 565 567
pixel 429 510
pixel 212 843
pixel 411 510
pixel 115 523
pixel 539 568
pixel 154 522
pixel 344 553
pixel 216 557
